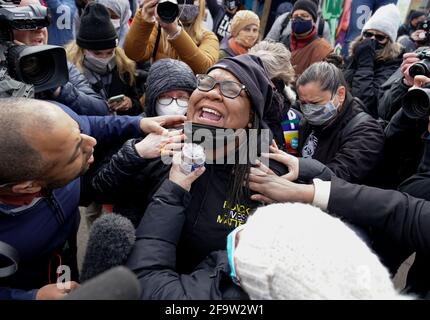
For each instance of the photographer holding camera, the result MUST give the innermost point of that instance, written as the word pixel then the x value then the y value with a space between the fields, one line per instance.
pixel 156 33
pixel 403 144
pixel 76 93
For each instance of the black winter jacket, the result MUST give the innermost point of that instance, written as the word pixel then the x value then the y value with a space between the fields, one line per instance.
pixel 392 97
pixel 221 19
pixel 403 220
pixel 351 146
pixel 365 76
pixel 153 258
pixel 78 95
pixel 402 150
pixel 117 87
pixel 132 181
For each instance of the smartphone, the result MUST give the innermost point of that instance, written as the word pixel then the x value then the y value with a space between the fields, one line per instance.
pixel 117 98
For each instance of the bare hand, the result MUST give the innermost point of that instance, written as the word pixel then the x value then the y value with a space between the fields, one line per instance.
pixel 155 145
pixel 170 28
pixel 183 180
pixel 270 188
pixel 408 59
pixel 123 105
pixel 57 92
pixel 148 10
pixel 420 81
pixel 53 292
pixel 156 124
pixel 291 162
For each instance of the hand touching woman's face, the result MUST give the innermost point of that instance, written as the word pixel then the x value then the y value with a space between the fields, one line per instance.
pixel 225 105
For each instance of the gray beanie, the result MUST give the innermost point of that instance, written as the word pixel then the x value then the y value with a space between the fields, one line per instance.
pixel 166 75
pixel 386 20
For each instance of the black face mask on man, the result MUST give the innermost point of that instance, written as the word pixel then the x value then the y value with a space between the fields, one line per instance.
pixel 300 25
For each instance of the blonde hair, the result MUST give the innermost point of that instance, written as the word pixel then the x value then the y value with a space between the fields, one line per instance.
pixel 390 51
pixel 126 66
pixel 276 59
pixel 195 30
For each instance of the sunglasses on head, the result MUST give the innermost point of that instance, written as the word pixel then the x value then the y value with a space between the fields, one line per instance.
pixel 378 37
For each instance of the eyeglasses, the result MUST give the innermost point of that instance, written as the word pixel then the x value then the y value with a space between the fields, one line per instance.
pixel 378 37
pixel 165 101
pixel 229 89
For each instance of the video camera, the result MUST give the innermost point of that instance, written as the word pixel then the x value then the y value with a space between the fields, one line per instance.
pixel 41 67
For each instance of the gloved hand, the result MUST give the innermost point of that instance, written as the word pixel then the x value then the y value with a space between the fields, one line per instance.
pixel 365 50
pixel 365 47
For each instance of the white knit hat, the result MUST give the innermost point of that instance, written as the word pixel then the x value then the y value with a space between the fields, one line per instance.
pixel 296 251
pixel 386 20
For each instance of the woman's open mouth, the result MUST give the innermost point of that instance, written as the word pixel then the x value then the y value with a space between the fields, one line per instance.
pixel 210 116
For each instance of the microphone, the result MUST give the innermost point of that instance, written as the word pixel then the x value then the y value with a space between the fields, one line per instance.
pixel 118 283
pixel 110 241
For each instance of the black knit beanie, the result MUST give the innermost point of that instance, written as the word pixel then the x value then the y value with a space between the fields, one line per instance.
pixel 249 70
pixel 96 31
pixel 166 75
pixel 307 5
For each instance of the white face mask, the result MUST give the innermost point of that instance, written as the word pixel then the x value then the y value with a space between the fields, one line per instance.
pixel 99 65
pixel 116 24
pixel 172 109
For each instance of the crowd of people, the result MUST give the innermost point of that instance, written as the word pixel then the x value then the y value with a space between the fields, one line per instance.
pixel 333 201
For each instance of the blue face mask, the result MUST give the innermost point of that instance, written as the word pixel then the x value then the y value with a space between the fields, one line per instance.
pixel 231 247
pixel 300 26
pixel 319 115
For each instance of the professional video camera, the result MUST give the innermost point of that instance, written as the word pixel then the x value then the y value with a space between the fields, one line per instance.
pixel 28 69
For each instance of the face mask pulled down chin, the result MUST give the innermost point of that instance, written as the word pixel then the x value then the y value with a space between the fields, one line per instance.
pixel 172 109
pixel 210 137
pixel 99 65
pixel 188 13
pixel 319 115
pixel 300 26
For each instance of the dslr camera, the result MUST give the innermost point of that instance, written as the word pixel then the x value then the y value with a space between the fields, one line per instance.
pixel 37 68
pixel 421 67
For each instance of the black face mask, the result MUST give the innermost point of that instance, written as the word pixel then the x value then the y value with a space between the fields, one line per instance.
pixel 215 136
pixel 231 5
pixel 379 46
pixel 300 26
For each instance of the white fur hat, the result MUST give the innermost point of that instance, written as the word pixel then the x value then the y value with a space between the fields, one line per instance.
pixel 386 20
pixel 296 251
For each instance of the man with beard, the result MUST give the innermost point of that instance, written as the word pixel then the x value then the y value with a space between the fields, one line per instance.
pixel 44 149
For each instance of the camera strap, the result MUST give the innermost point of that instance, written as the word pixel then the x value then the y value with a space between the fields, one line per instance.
pixel 10 253
pixel 157 42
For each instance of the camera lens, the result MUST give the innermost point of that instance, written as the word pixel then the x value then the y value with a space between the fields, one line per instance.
pixel 416 103
pixel 33 70
pixel 44 66
pixel 167 10
pixel 418 68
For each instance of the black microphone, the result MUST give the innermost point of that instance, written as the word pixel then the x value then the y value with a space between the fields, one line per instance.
pixel 118 283
pixel 111 239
